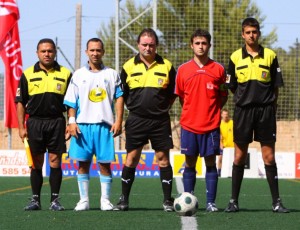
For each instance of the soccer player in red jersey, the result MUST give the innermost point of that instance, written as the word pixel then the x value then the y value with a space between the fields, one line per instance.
pixel 200 87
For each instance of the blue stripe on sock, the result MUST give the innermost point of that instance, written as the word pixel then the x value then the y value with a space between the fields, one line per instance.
pixel 83 177
pixel 105 179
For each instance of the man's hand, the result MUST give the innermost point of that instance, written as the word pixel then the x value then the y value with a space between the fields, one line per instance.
pixel 116 129
pixel 67 133
pixel 73 130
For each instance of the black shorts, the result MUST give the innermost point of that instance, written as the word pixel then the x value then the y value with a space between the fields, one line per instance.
pixel 140 130
pixel 257 122
pixel 46 135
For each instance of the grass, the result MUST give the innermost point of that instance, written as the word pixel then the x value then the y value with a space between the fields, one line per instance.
pixel 146 207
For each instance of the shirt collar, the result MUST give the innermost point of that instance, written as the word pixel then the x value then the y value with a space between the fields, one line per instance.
pixel 245 53
pixel 89 67
pixel 37 67
pixel 157 58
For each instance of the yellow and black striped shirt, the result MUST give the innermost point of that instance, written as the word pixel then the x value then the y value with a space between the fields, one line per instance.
pixel 148 91
pixel 254 79
pixel 43 92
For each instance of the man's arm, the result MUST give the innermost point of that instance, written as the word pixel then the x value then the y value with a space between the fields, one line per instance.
pixel 72 128
pixel 124 85
pixel 277 79
pixel 231 80
pixel 21 120
pixel 21 99
pixel 171 86
pixel 117 126
pixel 276 92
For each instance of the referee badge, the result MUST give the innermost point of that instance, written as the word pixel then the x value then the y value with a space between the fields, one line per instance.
pixel 58 87
pixel 264 74
pixel 160 81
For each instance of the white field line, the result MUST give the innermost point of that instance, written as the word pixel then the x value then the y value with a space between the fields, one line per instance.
pixel 187 222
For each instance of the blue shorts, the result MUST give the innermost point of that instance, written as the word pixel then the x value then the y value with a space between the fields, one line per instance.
pixel 95 139
pixel 207 144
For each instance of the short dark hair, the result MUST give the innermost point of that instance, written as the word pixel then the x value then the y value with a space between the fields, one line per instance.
pixel 46 40
pixel 250 22
pixel 201 33
pixel 150 32
pixel 95 40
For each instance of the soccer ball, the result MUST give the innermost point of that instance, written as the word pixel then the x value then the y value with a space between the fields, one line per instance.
pixel 186 204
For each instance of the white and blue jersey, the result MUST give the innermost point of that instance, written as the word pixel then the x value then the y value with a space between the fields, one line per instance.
pixel 92 95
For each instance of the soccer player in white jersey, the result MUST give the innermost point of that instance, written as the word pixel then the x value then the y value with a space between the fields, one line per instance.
pixel 92 93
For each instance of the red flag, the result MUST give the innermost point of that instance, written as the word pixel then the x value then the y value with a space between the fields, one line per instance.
pixel 10 52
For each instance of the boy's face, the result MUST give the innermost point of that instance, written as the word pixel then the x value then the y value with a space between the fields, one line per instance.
pixel 251 35
pixel 200 46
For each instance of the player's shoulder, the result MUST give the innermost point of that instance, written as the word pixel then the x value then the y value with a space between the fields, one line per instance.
pixel 29 70
pixel 167 64
pixel 167 61
pixel 65 70
pixel 109 69
pixel 269 52
pixel 237 53
pixel 81 70
pixel 185 65
pixel 130 62
pixel 218 64
pixel 110 72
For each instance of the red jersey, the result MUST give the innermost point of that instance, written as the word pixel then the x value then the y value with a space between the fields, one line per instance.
pixel 201 90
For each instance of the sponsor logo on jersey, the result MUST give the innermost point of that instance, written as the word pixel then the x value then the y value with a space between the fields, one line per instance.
pixel 97 95
pixel 210 85
pixel 264 74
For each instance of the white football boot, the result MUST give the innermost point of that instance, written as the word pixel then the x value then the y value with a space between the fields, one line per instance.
pixel 82 205
pixel 106 205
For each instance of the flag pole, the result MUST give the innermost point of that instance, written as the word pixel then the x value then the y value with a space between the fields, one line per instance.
pixel 9 139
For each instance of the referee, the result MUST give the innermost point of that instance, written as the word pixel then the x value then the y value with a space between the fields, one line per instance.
pixel 40 95
pixel 254 77
pixel 148 81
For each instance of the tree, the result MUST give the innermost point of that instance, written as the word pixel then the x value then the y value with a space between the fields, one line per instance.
pixel 176 21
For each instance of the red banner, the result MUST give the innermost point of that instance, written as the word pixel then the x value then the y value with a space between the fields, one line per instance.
pixel 10 53
pixel 297 168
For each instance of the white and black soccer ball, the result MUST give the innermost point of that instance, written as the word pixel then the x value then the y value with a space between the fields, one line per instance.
pixel 186 204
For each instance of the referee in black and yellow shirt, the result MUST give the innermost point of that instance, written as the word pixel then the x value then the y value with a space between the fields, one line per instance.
pixel 148 82
pixel 254 77
pixel 40 96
